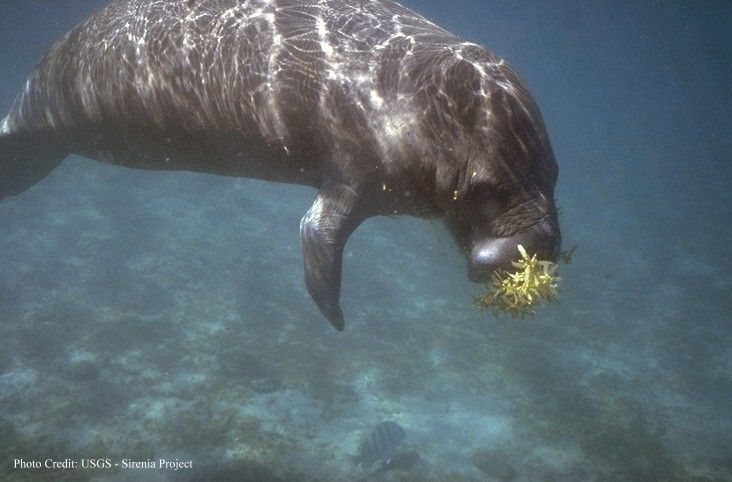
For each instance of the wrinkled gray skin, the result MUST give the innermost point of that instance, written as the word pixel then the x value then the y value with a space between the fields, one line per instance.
pixel 376 107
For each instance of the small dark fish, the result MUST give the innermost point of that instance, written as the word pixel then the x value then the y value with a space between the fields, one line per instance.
pixel 380 445
pixel 566 256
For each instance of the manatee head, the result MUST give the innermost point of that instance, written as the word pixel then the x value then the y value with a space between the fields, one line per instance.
pixel 499 178
pixel 493 245
pixel 493 219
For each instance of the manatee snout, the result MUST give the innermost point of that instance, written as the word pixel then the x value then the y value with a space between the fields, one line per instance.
pixel 489 254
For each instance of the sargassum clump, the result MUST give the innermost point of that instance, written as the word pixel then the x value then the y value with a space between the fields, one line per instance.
pixel 533 283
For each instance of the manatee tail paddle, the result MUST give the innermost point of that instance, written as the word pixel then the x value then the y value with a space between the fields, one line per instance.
pixel 26 158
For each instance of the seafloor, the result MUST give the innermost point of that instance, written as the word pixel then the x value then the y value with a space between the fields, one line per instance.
pixel 150 315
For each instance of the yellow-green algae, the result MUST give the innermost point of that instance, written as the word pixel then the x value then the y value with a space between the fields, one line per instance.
pixel 534 282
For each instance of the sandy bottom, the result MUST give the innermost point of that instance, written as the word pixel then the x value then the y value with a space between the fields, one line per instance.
pixel 157 315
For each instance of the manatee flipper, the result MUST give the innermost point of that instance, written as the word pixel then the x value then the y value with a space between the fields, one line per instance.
pixel 323 233
pixel 26 158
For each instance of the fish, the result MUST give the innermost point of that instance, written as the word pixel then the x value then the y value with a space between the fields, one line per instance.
pixel 379 445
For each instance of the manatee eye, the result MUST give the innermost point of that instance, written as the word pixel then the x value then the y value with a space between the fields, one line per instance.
pixel 489 199
pixel 497 203
pixel 501 195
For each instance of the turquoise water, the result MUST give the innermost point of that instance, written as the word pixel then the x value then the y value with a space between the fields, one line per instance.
pixel 163 315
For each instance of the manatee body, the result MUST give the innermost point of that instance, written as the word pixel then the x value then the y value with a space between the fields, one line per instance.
pixel 379 109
